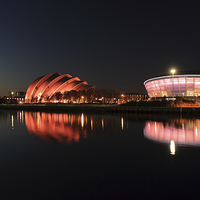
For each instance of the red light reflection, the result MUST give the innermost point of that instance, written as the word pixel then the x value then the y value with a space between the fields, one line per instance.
pixel 181 131
pixel 54 126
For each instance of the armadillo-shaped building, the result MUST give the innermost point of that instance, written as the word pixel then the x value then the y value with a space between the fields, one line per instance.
pixel 47 85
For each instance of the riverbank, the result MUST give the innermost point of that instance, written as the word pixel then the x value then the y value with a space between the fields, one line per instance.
pixel 101 108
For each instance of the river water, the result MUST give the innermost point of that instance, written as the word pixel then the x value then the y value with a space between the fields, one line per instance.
pixel 98 156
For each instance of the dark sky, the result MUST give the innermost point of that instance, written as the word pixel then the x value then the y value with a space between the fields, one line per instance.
pixel 109 44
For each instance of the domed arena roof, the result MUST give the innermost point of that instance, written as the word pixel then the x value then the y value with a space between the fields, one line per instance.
pixel 46 86
pixel 181 85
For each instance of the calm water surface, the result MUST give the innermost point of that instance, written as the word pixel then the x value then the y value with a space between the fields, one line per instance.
pixel 95 156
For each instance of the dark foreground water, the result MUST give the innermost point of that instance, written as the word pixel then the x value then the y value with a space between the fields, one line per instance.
pixel 91 156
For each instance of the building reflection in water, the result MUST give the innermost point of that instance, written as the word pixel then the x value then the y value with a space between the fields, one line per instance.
pixel 69 127
pixel 122 123
pixel 56 127
pixel 13 117
pixel 12 121
pixel 175 132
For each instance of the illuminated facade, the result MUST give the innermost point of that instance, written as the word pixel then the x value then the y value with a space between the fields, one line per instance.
pixel 176 85
pixel 45 86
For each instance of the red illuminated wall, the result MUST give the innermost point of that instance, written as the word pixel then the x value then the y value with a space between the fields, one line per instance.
pixel 55 82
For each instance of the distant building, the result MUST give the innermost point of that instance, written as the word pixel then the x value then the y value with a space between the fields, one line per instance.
pixel 20 96
pixel 14 99
pixel 108 96
pixel 135 97
pixel 113 96
pixel 182 85
pixel 9 100
pixel 11 94
pixel 20 93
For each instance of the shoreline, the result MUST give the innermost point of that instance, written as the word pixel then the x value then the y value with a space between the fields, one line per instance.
pixel 101 108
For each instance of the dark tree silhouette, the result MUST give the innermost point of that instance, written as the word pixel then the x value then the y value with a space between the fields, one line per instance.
pixel 90 95
pixel 57 96
pixel 66 95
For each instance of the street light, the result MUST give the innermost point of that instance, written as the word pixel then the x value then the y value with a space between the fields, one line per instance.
pixel 173 71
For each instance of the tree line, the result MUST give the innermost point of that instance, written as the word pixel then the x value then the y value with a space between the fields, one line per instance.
pixel 83 96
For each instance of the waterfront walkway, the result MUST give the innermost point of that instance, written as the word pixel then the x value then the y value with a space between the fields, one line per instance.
pixel 101 108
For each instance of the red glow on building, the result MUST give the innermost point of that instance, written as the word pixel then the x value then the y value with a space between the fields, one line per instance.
pixel 46 86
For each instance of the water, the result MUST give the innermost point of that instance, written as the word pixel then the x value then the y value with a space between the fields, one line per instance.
pixel 95 156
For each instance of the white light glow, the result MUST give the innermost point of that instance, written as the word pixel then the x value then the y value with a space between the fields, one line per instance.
pixel 172 147
pixel 82 120
pixel 122 123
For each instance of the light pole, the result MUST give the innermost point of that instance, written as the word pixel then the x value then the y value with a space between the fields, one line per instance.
pixel 173 71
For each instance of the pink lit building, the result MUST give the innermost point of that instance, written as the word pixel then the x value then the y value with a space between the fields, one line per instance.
pixel 187 85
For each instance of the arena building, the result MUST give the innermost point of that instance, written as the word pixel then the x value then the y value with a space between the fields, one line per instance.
pixel 182 85
pixel 45 86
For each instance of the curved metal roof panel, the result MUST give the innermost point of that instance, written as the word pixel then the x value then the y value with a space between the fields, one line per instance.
pixel 175 76
pixel 46 86
pixel 43 83
pixel 56 83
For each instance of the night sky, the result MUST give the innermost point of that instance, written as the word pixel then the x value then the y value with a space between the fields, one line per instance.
pixel 109 44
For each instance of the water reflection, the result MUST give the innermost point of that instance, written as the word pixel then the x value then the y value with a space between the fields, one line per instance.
pixel 122 123
pixel 69 127
pixel 12 118
pixel 172 147
pixel 12 121
pixel 56 127
pixel 175 132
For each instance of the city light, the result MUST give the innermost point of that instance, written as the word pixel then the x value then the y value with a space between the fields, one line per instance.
pixel 173 71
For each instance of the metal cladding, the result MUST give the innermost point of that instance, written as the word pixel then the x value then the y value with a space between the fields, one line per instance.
pixel 46 86
pixel 178 85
